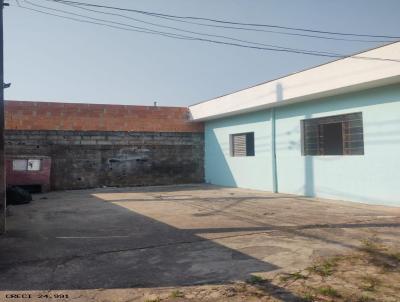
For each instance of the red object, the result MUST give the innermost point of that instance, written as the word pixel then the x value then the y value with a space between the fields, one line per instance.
pixel 40 177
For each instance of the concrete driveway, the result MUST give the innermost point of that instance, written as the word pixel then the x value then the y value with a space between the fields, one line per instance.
pixel 175 236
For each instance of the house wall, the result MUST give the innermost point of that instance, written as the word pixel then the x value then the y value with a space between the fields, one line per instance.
pixel 107 145
pixel 247 172
pixel 370 178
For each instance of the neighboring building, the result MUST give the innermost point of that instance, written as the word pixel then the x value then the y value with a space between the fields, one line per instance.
pixel 332 131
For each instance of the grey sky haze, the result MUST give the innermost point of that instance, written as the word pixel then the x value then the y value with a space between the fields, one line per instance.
pixel 52 59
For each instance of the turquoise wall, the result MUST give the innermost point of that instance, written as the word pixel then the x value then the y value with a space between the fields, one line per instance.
pixel 246 172
pixel 371 178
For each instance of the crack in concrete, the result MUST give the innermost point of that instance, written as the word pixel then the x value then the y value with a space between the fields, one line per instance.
pixel 291 229
pixel 73 257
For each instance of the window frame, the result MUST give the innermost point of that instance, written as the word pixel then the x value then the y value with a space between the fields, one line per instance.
pixel 33 167
pixel 27 167
pixel 16 167
pixel 248 150
pixel 352 134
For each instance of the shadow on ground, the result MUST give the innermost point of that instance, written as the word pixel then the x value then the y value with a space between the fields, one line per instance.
pixel 82 242
pixel 172 236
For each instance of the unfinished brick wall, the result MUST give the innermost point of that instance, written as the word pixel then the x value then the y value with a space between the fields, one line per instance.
pixel 90 145
pixel 95 117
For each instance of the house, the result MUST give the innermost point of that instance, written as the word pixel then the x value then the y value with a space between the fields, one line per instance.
pixel 332 131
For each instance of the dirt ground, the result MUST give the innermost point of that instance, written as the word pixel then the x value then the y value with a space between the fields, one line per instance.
pixel 198 243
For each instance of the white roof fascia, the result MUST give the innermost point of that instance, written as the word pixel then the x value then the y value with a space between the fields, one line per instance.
pixel 341 76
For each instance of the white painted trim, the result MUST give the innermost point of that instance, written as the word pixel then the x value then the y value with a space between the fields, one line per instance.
pixel 341 76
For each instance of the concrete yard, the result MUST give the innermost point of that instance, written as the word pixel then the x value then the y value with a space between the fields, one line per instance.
pixel 174 236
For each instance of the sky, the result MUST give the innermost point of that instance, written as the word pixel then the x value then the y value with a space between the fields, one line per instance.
pixel 48 58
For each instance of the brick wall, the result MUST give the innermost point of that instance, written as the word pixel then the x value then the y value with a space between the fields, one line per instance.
pixel 95 117
pixel 107 145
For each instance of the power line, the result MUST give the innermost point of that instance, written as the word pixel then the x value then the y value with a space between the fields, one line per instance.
pixel 96 23
pixel 175 28
pixel 269 31
pixel 134 30
pixel 182 37
pixel 228 22
pixel 146 30
pixel 221 26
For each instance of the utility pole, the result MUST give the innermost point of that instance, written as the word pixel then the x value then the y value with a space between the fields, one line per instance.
pixel 2 167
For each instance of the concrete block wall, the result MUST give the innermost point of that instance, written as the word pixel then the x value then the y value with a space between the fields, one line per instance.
pixel 93 148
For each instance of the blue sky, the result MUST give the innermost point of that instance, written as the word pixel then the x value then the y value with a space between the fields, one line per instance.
pixel 52 59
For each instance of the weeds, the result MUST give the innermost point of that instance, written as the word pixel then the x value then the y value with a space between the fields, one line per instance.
pixel 379 255
pixel 177 294
pixel 371 247
pixel 395 256
pixel 325 268
pixel 370 283
pixel 365 298
pixel 293 276
pixel 241 288
pixel 158 299
pixel 328 291
pixel 308 297
pixel 255 280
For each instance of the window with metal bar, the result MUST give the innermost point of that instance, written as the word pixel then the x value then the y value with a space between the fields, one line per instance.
pixel 333 135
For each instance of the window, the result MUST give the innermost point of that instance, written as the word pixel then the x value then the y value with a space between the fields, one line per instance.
pixel 26 164
pixel 242 144
pixel 33 164
pixel 333 135
pixel 20 164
